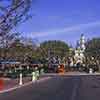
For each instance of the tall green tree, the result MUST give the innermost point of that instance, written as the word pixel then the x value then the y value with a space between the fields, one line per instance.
pixel 92 51
pixel 93 47
pixel 54 48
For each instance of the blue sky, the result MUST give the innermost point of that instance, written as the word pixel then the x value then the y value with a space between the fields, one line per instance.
pixel 62 20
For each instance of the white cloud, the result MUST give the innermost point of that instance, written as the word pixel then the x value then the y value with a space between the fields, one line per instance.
pixel 66 29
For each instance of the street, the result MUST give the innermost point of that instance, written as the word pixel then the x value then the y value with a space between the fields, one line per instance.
pixel 59 87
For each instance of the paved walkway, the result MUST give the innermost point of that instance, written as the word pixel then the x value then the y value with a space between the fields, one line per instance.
pixel 58 88
pixel 10 83
pixel 7 83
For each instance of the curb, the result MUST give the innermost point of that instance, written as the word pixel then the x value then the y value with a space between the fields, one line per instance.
pixel 5 79
pixel 73 74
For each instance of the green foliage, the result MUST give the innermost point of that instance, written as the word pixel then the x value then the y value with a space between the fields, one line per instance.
pixel 93 47
pixel 55 48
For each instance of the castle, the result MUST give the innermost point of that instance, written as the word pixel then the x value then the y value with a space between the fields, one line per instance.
pixel 79 50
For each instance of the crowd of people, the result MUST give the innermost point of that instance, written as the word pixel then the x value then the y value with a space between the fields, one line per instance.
pixel 70 63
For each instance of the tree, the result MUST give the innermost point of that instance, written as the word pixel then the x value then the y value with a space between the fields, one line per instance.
pixel 93 47
pixel 54 48
pixel 92 51
pixel 23 49
pixel 6 43
pixel 12 12
pixel 15 50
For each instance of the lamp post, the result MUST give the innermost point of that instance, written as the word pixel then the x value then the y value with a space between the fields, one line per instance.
pixel 42 71
pixel 90 70
pixel 20 76
pixel 33 76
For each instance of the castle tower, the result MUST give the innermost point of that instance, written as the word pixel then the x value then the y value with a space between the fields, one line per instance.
pixel 79 52
pixel 82 42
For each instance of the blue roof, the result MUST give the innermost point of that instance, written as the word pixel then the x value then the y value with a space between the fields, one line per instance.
pixel 9 62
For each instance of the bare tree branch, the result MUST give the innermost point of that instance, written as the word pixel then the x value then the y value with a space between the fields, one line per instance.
pixel 13 15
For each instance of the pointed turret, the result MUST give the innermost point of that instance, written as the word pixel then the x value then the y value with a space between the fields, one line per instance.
pixel 82 42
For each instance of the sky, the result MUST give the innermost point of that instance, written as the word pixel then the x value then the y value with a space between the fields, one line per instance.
pixel 62 20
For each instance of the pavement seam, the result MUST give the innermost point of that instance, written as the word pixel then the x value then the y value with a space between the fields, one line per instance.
pixel 75 90
pixel 20 86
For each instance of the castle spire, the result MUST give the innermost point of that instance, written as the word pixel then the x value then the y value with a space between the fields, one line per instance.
pixel 82 42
